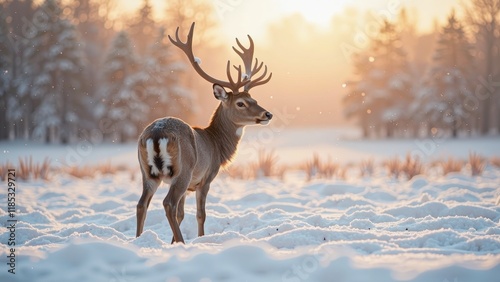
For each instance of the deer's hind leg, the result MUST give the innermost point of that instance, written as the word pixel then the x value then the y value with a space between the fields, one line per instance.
pixel 149 187
pixel 172 203
pixel 180 212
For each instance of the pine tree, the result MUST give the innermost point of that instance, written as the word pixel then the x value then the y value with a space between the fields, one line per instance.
pixel 382 89
pixel 142 28
pixel 57 61
pixel 484 20
pixel 19 109
pixel 6 68
pixel 123 96
pixel 450 80
pixel 94 28
pixel 164 94
pixel 182 12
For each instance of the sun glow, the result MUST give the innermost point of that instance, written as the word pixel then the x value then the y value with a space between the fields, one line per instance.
pixel 319 12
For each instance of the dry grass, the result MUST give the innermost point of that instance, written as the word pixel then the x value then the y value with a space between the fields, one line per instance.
pixel 312 167
pixel 367 167
pixel 81 172
pixel 342 173
pixel 412 166
pixel 4 168
pixel 30 170
pixel 266 166
pixel 90 171
pixel 27 169
pixel 476 164
pixel 107 168
pixel 394 167
pixel 328 169
pixel 316 168
pixel 495 161
pixel 451 165
pixel 266 162
pixel 239 172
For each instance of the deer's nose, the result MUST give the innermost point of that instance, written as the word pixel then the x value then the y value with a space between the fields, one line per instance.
pixel 269 115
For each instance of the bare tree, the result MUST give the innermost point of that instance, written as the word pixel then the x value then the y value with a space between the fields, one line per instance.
pixel 484 18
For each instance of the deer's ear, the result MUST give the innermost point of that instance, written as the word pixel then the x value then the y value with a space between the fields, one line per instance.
pixel 220 93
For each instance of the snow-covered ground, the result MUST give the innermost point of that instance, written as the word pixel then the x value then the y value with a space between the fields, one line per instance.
pixel 431 228
pixel 291 145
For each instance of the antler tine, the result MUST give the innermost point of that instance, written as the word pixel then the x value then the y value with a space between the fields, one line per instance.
pixel 246 55
pixel 239 83
pixel 187 48
pixel 260 80
pixel 228 72
pixel 257 66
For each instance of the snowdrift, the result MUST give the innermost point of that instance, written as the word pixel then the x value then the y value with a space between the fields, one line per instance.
pixel 366 229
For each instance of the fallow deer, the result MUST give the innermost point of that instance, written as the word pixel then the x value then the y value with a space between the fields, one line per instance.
pixel 189 158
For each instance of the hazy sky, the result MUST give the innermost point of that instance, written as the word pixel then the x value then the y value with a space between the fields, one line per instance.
pixel 304 71
pixel 240 17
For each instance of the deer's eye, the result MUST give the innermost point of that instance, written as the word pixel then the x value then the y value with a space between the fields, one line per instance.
pixel 240 104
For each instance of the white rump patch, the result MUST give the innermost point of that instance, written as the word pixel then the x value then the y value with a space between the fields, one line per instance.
pixel 167 161
pixel 150 149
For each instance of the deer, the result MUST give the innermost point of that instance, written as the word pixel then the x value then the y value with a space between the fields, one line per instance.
pixel 189 158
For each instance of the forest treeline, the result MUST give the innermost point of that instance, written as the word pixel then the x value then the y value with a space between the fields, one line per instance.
pixel 457 92
pixel 68 68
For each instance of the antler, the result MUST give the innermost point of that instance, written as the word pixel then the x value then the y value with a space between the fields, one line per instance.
pixel 246 54
pixel 187 48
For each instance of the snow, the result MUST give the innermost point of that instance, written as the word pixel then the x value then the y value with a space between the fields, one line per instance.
pixel 292 146
pixel 430 228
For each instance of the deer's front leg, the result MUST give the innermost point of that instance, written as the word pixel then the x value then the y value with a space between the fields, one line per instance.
pixel 201 198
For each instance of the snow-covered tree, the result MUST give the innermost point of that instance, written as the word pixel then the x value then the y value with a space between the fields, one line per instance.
pixel 442 102
pixel 124 105
pixel 381 92
pixel 143 27
pixel 21 30
pixel 6 65
pixel 164 93
pixel 182 12
pixel 56 59
pixel 93 25
pixel 483 17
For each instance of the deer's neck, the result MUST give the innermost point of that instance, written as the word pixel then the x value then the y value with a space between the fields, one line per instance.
pixel 224 134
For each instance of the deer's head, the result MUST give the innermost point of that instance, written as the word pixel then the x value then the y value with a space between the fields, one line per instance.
pixel 237 105
pixel 241 108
